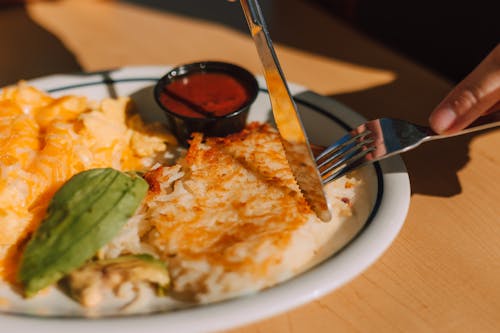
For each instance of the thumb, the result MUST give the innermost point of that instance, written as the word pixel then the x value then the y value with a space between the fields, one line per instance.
pixel 477 94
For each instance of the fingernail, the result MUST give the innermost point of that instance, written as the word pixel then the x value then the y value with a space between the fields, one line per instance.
pixel 442 119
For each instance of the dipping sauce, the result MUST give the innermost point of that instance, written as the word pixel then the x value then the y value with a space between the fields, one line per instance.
pixel 204 94
pixel 209 97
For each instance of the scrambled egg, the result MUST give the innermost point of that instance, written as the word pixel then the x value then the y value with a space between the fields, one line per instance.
pixel 45 140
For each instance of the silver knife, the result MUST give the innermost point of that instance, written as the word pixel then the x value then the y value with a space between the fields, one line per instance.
pixel 295 142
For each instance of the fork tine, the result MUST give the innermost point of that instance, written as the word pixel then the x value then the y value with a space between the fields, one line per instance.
pixel 342 156
pixel 350 164
pixel 345 141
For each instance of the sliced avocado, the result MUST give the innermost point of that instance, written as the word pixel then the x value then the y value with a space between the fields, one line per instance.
pixel 88 283
pixel 84 215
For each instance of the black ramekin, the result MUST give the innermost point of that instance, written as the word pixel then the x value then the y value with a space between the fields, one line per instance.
pixel 183 126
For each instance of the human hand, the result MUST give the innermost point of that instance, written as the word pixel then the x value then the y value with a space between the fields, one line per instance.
pixel 478 94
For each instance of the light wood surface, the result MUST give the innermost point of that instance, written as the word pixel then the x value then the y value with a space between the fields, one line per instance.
pixel 442 273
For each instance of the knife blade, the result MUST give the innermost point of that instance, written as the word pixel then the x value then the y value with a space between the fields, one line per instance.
pixel 286 116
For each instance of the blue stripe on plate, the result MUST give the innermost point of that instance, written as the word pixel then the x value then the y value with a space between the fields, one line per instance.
pixel 104 81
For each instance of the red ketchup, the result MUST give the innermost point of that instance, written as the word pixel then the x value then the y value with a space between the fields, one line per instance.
pixel 204 94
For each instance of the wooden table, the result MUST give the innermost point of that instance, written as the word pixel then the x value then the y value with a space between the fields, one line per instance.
pixel 442 273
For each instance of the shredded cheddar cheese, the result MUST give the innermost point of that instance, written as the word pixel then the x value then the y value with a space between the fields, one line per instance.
pixel 46 140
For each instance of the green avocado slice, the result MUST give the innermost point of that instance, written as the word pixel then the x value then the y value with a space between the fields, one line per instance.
pixel 84 215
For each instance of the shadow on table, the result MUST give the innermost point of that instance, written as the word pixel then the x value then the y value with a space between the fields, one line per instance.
pixel 28 50
pixel 433 167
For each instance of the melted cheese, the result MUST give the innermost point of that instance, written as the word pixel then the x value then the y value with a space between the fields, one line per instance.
pixel 45 140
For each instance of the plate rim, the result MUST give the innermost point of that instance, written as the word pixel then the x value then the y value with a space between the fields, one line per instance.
pixel 385 222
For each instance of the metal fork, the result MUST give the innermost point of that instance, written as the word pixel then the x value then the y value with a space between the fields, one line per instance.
pixel 382 138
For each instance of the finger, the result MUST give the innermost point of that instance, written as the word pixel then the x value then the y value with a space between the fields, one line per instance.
pixel 493 109
pixel 476 94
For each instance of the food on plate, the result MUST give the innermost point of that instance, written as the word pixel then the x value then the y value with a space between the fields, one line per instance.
pixel 89 283
pixel 84 215
pixel 45 140
pixel 229 218
pixel 226 219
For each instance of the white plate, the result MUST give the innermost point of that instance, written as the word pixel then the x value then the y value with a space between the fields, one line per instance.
pixel 324 120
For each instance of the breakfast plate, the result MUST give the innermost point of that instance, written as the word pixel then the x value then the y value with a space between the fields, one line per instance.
pixel 351 250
